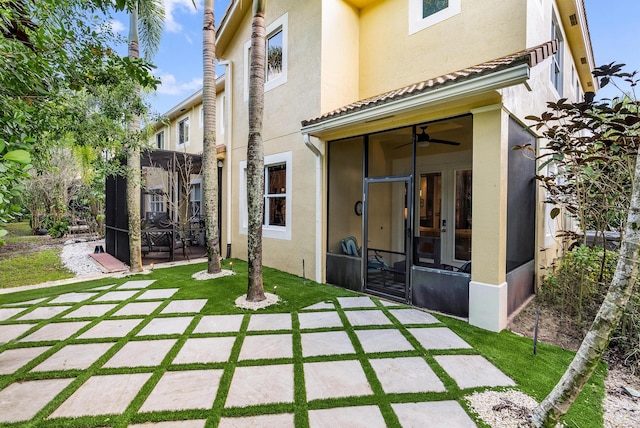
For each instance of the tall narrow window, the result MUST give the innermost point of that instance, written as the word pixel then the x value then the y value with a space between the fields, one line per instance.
pixel 195 201
pixel 274 55
pixel 463 188
pixel 183 132
pixel 160 140
pixel 275 199
pixel 557 58
pixel 156 203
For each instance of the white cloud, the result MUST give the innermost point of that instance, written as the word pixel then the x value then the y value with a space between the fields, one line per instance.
pixel 116 26
pixel 170 8
pixel 171 86
pixel 189 40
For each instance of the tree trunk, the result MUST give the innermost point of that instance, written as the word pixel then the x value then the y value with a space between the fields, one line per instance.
pixel 209 154
pixel 133 163
pixel 560 399
pixel 255 152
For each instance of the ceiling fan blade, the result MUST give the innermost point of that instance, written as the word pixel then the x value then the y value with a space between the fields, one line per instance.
pixel 436 140
pixel 401 146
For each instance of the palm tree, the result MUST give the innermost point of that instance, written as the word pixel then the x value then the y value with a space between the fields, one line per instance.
pixel 149 15
pixel 255 152
pixel 209 159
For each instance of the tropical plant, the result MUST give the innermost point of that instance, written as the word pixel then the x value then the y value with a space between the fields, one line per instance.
pixel 255 152
pixel 592 133
pixel 209 153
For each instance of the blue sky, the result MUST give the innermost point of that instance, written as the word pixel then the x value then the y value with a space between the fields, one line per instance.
pixel 615 36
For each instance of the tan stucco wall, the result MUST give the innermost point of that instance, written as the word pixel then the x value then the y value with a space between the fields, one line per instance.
pixel 390 58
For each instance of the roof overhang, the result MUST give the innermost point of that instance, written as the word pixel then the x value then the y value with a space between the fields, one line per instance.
pixel 230 23
pixel 466 88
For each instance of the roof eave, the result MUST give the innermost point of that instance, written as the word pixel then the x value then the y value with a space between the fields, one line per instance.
pixel 468 87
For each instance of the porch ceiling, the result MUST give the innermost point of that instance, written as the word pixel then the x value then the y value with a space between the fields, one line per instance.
pixel 482 78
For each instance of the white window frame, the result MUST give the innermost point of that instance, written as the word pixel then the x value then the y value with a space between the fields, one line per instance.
pixel 185 143
pixel 162 146
pixel 418 23
pixel 195 182
pixel 201 116
pixel 280 24
pixel 156 200
pixel 275 232
pixel 557 59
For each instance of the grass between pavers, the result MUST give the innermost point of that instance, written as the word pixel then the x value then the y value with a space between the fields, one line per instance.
pixel 535 375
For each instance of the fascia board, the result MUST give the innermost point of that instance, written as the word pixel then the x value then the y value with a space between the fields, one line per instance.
pixel 496 80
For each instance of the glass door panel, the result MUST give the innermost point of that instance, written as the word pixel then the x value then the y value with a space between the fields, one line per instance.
pixel 427 245
pixel 463 181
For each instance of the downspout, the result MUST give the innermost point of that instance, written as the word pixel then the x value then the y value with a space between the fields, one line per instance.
pixel 318 154
pixel 228 92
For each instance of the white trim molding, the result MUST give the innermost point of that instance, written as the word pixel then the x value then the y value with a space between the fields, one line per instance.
pixel 488 305
pixel 418 23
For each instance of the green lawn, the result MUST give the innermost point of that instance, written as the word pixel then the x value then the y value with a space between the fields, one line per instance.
pixel 535 375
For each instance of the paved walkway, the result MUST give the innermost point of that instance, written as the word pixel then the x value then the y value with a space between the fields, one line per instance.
pixel 133 349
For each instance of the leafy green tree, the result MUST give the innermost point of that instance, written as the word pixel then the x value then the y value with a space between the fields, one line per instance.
pixel 588 137
pixel 209 154
pixel 255 151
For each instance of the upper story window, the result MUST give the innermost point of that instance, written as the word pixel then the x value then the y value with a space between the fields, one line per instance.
pixel 160 140
pixel 276 56
pixel 425 13
pixel 557 58
pixel 277 196
pixel 183 133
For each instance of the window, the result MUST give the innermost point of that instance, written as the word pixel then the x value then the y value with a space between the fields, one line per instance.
pixel 425 13
pixel 557 58
pixel 201 124
pixel 276 51
pixel 183 132
pixel 277 197
pixel 195 200
pixel 160 140
pixel 156 203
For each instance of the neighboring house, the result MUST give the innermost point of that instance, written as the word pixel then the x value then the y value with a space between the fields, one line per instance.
pixel 393 121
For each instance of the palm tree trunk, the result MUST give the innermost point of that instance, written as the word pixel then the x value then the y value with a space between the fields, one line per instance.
pixel 209 155
pixel 255 152
pixel 133 163
pixel 560 399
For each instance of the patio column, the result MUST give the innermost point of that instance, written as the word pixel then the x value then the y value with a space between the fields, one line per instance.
pixel 488 286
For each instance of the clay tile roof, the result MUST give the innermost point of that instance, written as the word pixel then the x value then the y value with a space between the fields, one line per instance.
pixel 531 56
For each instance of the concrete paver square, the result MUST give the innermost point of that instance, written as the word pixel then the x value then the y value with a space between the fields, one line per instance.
pixel 184 306
pixel 368 317
pixel 12 359
pixel 173 325
pixel 132 285
pixel 438 338
pixel 137 308
pixel 383 340
pixel 102 395
pixel 44 313
pixel 116 296
pixel 470 371
pixel 319 320
pixel 11 331
pixel 219 324
pixel 74 357
pixel 441 414
pixel 353 417
pixel 270 322
pixel 191 389
pixel 192 423
pixel 282 420
pixel 405 375
pixel 268 346
pixel 256 385
pixel 21 401
pixel 356 302
pixel 332 379
pixel 26 303
pixel 55 331
pixel 104 287
pixel 144 353
pixel 110 328
pixel 320 305
pixel 326 343
pixel 6 313
pixel 413 316
pixel 72 297
pixel 205 350
pixel 388 303
pixel 162 293
pixel 91 311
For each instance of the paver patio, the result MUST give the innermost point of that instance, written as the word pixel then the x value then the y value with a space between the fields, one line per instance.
pixel 265 357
